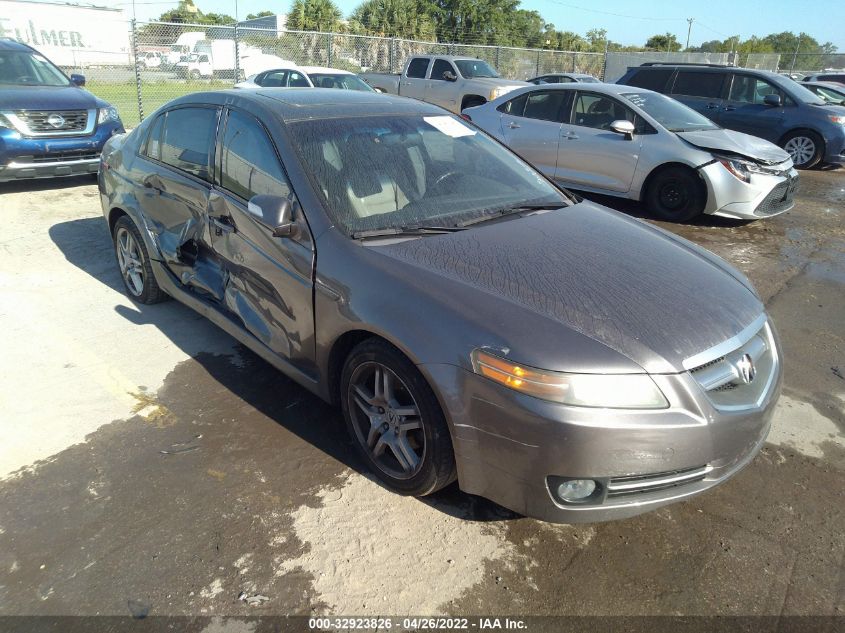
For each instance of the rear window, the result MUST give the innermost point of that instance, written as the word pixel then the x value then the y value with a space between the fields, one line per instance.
pixel 417 68
pixel 650 79
pixel 699 84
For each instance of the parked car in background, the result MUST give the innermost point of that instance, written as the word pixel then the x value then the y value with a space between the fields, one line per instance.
pixel 829 91
pixel 835 76
pixel 639 144
pixel 756 102
pixel 150 60
pixel 293 76
pixel 593 368
pixel 49 125
pixel 564 78
pixel 453 83
pixel 195 66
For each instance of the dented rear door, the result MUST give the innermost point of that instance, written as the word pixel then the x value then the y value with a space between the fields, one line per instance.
pixel 174 196
pixel 268 281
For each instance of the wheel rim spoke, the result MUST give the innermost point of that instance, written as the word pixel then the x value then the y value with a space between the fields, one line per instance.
pixel 405 455
pixel 412 425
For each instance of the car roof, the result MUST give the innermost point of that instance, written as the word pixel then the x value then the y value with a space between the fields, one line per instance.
pixel 603 88
pixel 8 44
pixel 713 68
pixel 451 58
pixel 296 104
pixel 833 85
pixel 325 69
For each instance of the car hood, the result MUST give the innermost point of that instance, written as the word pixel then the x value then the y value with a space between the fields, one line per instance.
pixel 46 98
pixel 608 277
pixel 732 142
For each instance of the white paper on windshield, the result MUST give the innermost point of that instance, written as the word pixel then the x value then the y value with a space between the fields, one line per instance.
pixel 449 126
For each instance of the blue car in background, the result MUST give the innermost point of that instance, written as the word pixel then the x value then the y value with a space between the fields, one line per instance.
pixel 757 102
pixel 49 125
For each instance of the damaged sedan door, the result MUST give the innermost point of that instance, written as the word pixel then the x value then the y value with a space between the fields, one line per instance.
pixel 267 272
pixel 174 198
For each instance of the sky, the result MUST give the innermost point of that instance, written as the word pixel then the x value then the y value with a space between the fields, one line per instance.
pixel 629 22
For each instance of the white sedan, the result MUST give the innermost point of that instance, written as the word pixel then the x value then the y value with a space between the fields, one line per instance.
pixel 294 76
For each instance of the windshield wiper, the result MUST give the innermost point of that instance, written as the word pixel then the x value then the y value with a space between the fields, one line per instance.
pixel 521 208
pixel 406 230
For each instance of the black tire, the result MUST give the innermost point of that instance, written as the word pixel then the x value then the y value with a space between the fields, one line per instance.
pixel 676 194
pixel 138 279
pixel 805 147
pixel 431 442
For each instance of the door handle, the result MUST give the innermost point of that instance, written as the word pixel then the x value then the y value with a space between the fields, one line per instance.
pixel 730 108
pixel 513 125
pixel 570 135
pixel 153 182
pixel 222 225
pixel 712 106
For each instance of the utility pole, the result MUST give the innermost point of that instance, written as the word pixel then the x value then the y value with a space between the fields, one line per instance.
pixel 689 30
pixel 795 54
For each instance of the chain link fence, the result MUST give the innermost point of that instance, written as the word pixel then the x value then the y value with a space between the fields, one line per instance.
pixel 163 61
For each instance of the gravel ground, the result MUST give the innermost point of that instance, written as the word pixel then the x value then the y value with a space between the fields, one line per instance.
pixel 149 464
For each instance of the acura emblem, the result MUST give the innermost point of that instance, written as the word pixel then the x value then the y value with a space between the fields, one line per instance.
pixel 745 367
pixel 56 120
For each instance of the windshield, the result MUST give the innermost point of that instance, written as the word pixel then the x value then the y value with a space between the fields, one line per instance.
pixel 472 68
pixel 344 82
pixel 29 69
pixel 402 171
pixel 671 114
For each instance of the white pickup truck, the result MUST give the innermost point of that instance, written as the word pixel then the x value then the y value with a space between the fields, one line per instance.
pixel 454 83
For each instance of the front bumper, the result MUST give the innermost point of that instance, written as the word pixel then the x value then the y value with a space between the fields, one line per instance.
pixel 765 196
pixel 23 157
pixel 507 445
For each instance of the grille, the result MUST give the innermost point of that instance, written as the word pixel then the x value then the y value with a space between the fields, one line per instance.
pixel 641 484
pixel 781 198
pixel 741 378
pixel 38 120
pixel 56 157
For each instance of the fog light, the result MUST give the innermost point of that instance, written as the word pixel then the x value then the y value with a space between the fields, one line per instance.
pixel 576 489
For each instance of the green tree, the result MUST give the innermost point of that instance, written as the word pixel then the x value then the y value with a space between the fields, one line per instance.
pixel 410 19
pixel 314 15
pixel 666 42
pixel 260 14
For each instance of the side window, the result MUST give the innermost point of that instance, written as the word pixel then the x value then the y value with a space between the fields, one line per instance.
pixel 651 79
pixel 564 80
pixel 546 106
pixel 699 84
pixel 417 68
pixel 514 107
pixel 188 139
pixel 441 66
pixel 153 146
pixel 598 111
pixel 250 166
pixel 748 89
pixel 275 79
pixel 297 80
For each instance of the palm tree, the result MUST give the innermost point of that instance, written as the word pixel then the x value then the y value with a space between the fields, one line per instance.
pixel 314 15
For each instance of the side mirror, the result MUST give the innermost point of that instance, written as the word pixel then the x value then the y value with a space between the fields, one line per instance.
pixel 450 76
pixel 77 80
pixel 624 127
pixel 275 212
pixel 772 100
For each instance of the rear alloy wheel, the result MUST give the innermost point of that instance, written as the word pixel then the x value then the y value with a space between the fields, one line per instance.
pixel 395 420
pixel 134 263
pixel 804 147
pixel 676 194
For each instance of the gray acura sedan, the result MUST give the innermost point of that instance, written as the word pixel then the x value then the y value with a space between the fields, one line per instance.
pixel 472 320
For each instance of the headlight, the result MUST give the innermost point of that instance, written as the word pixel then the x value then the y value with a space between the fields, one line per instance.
pixel 108 114
pixel 4 122
pixel 612 391
pixel 740 168
pixel 497 92
pixel 836 118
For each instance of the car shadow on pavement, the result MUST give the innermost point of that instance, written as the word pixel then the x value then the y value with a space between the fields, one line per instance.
pixel 86 244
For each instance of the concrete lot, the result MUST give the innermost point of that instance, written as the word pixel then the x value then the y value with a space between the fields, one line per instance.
pixel 148 464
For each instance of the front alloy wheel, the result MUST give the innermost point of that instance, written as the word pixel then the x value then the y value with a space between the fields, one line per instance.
pixel 395 420
pixel 805 149
pixel 386 419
